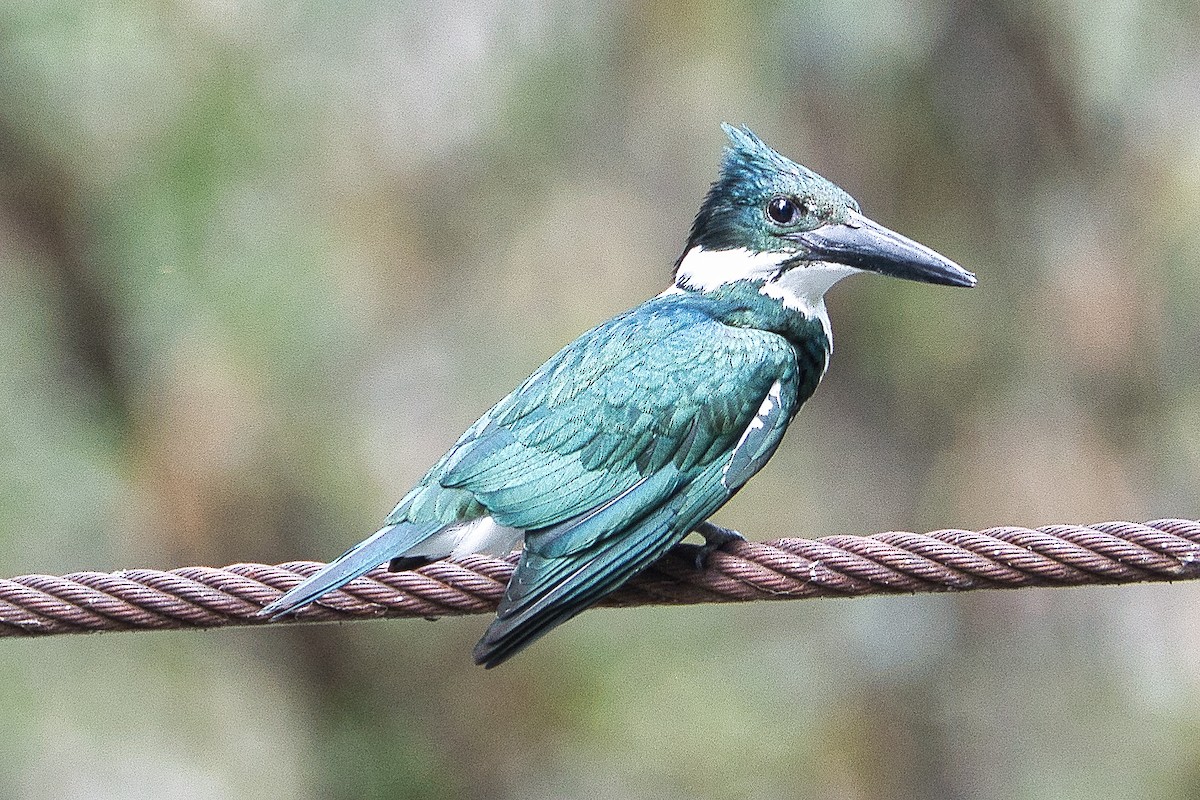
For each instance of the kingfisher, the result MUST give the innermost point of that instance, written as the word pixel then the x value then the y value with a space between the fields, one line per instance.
pixel 629 438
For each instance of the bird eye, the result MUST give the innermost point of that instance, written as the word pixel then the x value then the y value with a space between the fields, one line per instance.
pixel 782 210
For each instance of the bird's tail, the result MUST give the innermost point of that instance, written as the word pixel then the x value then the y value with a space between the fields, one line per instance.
pixel 387 543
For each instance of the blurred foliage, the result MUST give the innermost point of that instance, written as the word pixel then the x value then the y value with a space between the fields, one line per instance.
pixel 260 263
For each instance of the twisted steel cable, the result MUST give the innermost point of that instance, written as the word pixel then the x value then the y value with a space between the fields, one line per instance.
pixel 833 566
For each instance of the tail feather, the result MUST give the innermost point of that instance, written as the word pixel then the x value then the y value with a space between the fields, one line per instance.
pixel 545 592
pixel 387 543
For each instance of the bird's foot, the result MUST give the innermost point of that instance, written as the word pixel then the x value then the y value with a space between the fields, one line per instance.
pixel 715 537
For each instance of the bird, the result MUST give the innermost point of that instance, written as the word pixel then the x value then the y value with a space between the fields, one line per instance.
pixel 629 438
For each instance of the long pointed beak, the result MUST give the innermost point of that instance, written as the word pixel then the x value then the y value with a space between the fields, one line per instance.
pixel 864 244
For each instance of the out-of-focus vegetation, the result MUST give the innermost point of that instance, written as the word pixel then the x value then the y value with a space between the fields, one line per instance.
pixel 260 263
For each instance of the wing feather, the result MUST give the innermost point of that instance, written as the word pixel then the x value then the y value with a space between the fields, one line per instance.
pixel 609 454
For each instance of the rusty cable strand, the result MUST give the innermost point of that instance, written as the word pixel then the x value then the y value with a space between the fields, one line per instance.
pixel 833 566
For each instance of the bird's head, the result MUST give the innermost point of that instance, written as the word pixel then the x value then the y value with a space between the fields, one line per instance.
pixel 770 220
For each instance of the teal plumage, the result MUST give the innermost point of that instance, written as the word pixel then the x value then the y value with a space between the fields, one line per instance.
pixel 640 414
pixel 630 437
pixel 666 383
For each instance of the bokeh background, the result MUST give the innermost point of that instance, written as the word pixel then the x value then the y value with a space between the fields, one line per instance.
pixel 261 263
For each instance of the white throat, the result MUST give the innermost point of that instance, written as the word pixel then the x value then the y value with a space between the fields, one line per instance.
pixel 799 288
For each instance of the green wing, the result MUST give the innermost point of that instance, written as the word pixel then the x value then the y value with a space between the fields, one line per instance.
pixel 610 453
pixel 659 393
pixel 567 567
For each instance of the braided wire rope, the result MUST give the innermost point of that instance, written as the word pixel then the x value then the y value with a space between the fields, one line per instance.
pixel 833 566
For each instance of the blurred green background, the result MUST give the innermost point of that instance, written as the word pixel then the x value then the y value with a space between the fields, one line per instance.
pixel 261 263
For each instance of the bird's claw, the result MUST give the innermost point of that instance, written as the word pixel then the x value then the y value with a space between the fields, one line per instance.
pixel 715 537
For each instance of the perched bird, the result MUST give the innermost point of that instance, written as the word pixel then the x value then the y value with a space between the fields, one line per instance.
pixel 630 437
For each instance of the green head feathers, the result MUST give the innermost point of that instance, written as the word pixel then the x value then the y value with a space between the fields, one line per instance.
pixel 760 196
